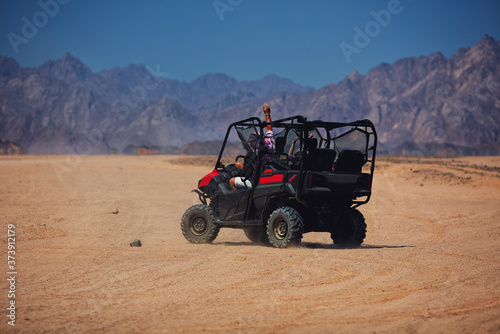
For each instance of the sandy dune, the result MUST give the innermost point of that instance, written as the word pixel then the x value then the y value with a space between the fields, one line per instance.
pixel 430 262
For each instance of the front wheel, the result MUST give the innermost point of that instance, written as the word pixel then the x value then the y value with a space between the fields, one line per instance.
pixel 349 230
pixel 198 225
pixel 285 227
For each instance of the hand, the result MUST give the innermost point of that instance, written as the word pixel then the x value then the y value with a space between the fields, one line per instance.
pixel 266 109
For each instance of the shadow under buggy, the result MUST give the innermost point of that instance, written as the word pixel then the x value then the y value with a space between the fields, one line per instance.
pixel 317 176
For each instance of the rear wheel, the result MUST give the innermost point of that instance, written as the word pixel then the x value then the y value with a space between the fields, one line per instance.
pixel 349 230
pixel 285 227
pixel 198 225
pixel 257 235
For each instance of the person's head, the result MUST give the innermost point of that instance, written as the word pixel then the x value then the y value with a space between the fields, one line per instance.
pixel 253 140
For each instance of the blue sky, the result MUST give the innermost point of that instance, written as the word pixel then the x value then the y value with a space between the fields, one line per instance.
pixel 246 39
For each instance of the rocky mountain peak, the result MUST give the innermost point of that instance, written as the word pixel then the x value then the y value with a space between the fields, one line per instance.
pixel 276 84
pixel 488 48
pixel 487 51
pixel 8 67
pixel 354 76
pixel 488 41
pixel 68 69
pixel 130 75
pixel 214 79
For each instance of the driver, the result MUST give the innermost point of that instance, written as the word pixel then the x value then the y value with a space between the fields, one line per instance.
pixel 242 182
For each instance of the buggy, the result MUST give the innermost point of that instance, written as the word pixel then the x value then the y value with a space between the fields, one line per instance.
pixel 316 178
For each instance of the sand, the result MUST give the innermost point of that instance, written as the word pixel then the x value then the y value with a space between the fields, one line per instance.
pixel 430 262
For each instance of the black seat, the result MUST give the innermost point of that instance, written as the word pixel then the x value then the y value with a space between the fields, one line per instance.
pixel 350 161
pixel 279 145
pixel 320 159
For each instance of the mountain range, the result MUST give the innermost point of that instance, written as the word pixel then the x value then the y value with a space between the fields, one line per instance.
pixel 426 105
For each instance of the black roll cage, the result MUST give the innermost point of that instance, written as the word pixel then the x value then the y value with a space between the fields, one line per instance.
pixel 301 123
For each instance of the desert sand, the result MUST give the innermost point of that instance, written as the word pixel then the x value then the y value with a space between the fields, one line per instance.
pixel 430 262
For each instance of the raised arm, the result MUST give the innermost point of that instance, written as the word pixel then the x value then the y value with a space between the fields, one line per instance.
pixel 292 147
pixel 267 112
pixel 269 136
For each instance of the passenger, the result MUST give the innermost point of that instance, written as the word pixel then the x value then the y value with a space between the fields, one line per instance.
pixel 243 182
pixel 269 136
pixel 296 155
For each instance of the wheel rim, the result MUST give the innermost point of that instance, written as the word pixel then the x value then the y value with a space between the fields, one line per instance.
pixel 280 229
pixel 198 225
